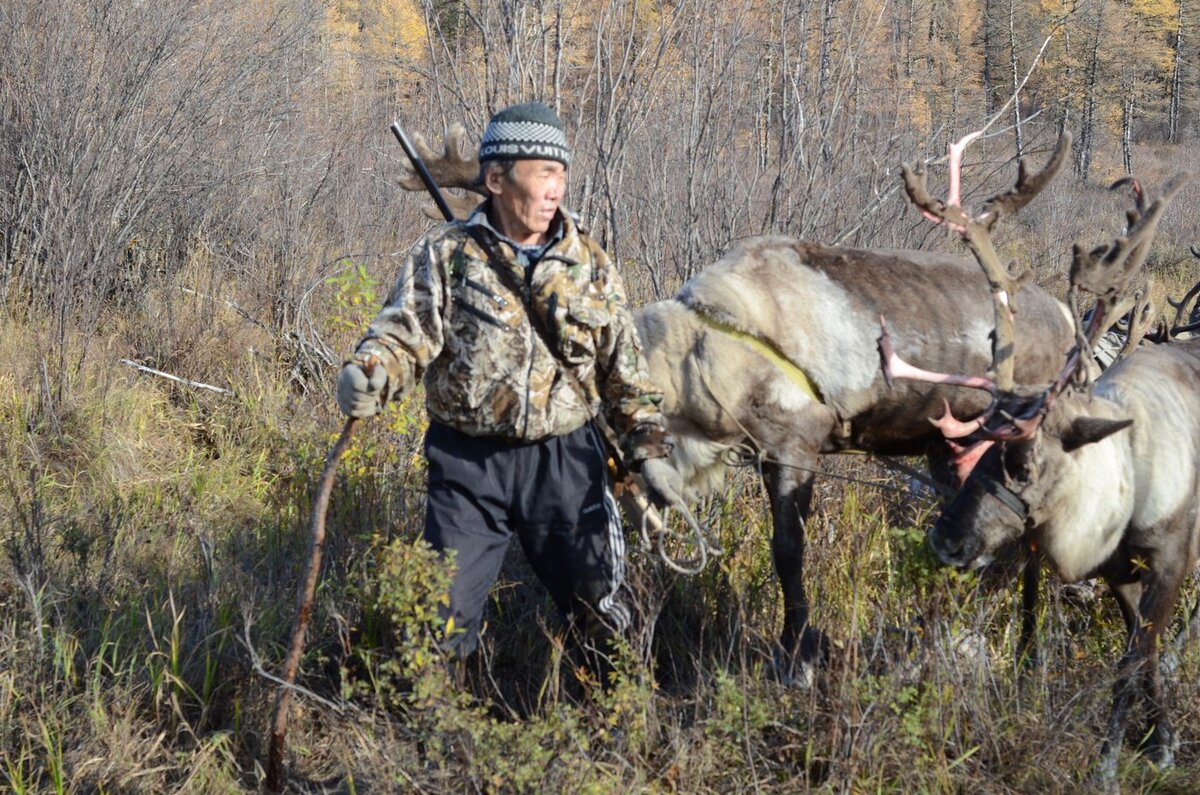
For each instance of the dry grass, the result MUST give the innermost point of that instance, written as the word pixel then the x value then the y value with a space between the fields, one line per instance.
pixel 195 186
pixel 153 528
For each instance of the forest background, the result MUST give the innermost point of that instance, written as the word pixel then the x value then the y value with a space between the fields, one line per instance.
pixel 209 189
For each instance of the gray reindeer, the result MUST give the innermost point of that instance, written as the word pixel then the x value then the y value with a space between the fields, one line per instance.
pixel 773 349
pixel 1139 324
pixel 1101 477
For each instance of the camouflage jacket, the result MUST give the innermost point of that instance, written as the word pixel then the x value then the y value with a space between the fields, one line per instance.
pixel 453 320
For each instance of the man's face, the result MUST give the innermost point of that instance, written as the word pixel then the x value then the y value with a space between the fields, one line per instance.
pixel 527 200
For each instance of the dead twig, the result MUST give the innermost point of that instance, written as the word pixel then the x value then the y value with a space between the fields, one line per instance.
pixel 198 385
pixel 256 664
pixel 236 307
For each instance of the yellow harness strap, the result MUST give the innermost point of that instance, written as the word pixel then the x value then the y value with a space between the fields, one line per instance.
pixel 767 350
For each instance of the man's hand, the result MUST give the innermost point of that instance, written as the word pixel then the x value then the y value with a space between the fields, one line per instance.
pixel 359 394
pixel 663 483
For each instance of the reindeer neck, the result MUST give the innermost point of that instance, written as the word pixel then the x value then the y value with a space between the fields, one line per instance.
pixel 1088 507
pixel 1160 389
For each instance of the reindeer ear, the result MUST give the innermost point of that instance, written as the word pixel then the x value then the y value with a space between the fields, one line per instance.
pixel 1086 430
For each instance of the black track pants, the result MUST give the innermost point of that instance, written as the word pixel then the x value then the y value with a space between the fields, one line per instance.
pixel 554 495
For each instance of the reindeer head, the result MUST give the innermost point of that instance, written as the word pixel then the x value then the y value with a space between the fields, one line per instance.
pixel 1036 479
pixel 1034 482
pixel 1021 485
pixel 1033 445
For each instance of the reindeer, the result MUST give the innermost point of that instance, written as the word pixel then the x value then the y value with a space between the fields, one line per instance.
pixel 1187 313
pixel 772 349
pixel 1101 477
pixel 1140 323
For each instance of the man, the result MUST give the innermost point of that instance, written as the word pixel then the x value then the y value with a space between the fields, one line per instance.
pixel 511 443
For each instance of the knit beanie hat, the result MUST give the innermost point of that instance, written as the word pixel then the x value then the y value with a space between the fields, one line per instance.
pixel 528 131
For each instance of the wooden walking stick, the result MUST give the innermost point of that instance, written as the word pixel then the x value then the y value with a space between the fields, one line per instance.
pixel 304 601
pixel 312 567
pixel 316 544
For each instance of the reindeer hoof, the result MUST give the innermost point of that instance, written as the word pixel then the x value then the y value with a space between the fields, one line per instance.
pixel 792 672
pixel 1168 664
pixel 1104 777
pixel 798 668
pixel 1161 746
pixel 814 646
pixel 1082 594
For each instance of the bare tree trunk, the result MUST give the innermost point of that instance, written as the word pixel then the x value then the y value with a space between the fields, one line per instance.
pixel 931 37
pixel 790 117
pixel 989 91
pixel 1064 103
pixel 558 54
pixel 1087 121
pixel 826 50
pixel 1176 80
pixel 765 86
pixel 908 38
pixel 1127 111
pixel 823 82
pixel 508 16
pixel 1015 76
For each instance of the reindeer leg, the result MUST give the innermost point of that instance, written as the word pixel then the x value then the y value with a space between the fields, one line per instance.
pixel 789 487
pixel 1031 578
pixel 1128 596
pixel 1146 606
pixel 1157 604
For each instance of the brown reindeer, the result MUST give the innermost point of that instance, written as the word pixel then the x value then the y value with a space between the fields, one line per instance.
pixel 1102 478
pixel 772 349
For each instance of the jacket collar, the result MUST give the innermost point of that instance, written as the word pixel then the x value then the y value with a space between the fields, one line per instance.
pixel 526 256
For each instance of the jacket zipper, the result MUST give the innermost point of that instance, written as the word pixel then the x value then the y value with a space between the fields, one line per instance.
pixel 527 299
pixel 498 300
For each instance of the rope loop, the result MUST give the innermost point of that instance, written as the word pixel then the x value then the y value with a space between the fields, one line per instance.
pixel 705 549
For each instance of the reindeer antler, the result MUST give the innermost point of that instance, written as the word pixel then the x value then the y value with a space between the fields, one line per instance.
pixel 1108 270
pixel 453 168
pixel 976 231
pixel 1182 311
pixel 1027 187
pixel 1141 319
pixel 1185 311
pixel 896 368
pixel 1004 284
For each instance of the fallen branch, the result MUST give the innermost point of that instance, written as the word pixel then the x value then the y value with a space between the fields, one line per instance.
pixel 177 379
pixel 231 304
pixel 256 664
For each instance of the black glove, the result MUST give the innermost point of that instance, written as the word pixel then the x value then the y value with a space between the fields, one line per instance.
pixel 664 484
